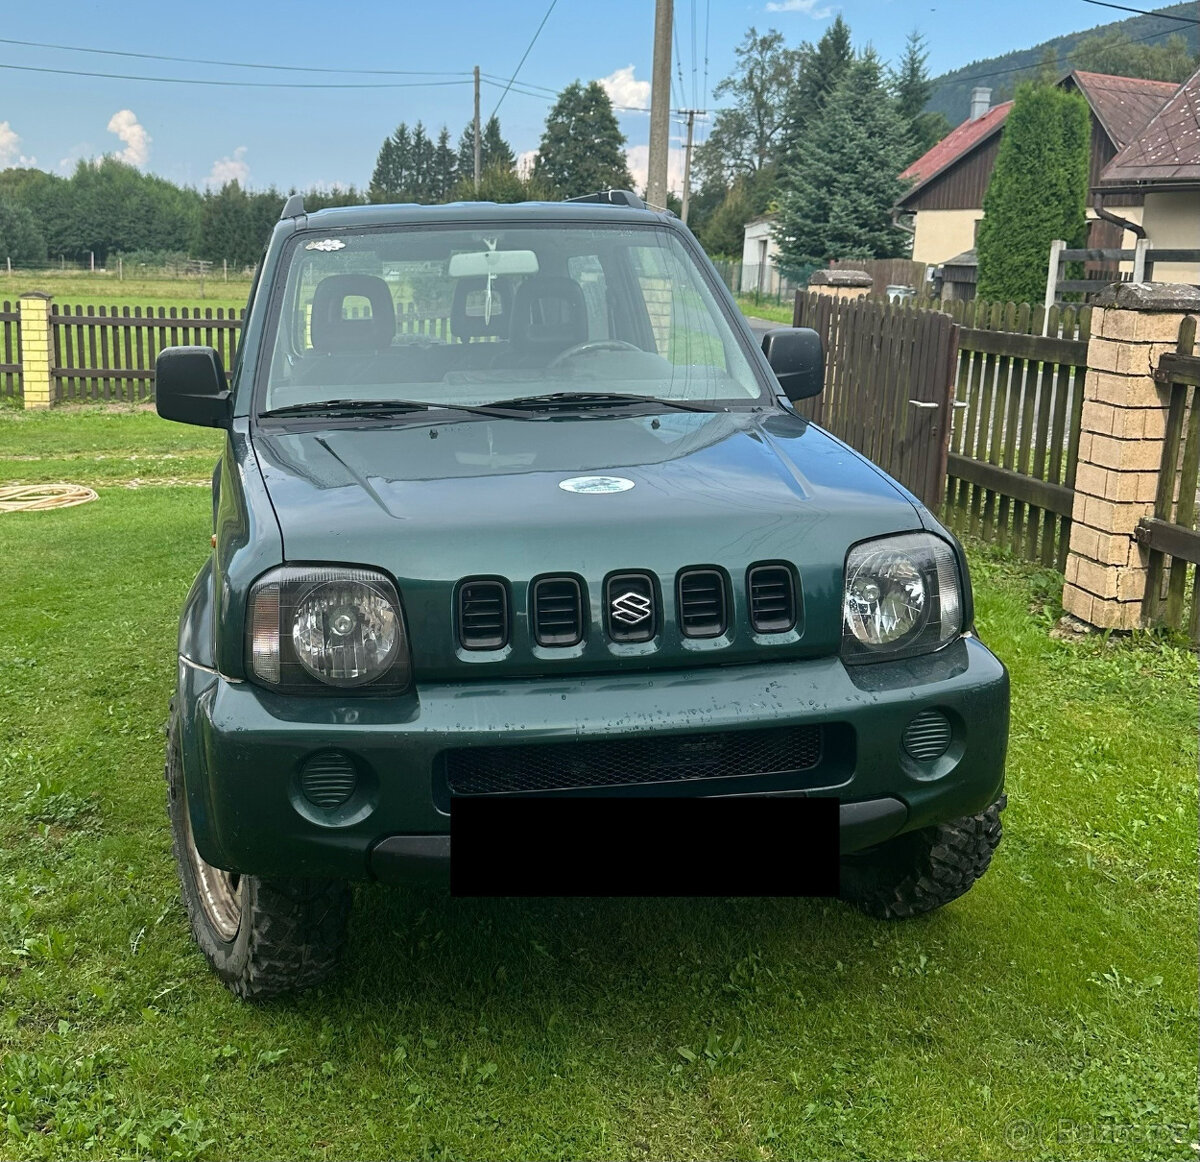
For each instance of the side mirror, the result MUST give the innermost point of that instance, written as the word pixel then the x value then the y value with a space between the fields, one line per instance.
pixel 190 387
pixel 796 356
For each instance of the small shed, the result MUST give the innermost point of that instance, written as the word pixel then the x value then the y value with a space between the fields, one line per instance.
pixel 958 276
pixel 759 249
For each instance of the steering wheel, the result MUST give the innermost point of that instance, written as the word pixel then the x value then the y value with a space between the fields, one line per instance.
pixel 587 348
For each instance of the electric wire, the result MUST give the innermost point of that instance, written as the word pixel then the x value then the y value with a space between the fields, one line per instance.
pixel 528 50
pixel 1144 11
pixel 235 84
pixel 190 60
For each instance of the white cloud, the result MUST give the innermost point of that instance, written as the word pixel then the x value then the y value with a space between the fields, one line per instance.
pixel 623 89
pixel 10 148
pixel 809 7
pixel 230 169
pixel 125 125
pixel 638 157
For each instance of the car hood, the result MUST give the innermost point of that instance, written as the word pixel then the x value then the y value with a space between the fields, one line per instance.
pixel 432 504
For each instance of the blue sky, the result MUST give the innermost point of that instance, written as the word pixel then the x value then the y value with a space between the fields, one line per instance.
pixel 286 137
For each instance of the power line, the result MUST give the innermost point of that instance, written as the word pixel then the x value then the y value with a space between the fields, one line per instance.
pixel 235 84
pixel 695 102
pixel 150 56
pixel 522 60
pixel 706 25
pixel 1144 12
pixel 546 95
pixel 678 61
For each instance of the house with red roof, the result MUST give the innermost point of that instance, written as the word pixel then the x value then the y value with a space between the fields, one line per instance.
pixel 1161 165
pixel 945 201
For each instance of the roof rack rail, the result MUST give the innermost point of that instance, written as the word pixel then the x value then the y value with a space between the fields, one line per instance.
pixel 293 207
pixel 612 198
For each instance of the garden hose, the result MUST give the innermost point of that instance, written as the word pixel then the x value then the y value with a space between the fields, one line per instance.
pixel 39 497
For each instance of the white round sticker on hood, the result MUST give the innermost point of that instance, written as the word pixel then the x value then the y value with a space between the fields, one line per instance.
pixel 596 484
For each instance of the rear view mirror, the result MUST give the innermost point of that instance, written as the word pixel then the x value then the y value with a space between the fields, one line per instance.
pixel 190 387
pixel 476 265
pixel 796 356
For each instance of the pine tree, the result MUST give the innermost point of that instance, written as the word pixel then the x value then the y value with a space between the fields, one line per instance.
pixel 445 166
pixel 839 192
pixel 493 149
pixel 912 86
pixel 818 74
pixel 581 149
pixel 1037 192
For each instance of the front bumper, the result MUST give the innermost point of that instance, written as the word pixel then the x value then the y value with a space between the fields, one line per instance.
pixel 244 747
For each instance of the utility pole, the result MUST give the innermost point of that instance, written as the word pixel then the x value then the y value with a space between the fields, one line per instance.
pixel 687 159
pixel 478 144
pixel 660 106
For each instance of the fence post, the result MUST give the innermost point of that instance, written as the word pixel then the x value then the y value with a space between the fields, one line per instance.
pixel 1120 448
pixel 37 350
pixel 1052 273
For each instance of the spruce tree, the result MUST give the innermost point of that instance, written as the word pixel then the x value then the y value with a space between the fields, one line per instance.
pixel 818 74
pixel 1037 192
pixel 581 149
pixel 445 166
pixel 493 149
pixel 839 192
pixel 912 87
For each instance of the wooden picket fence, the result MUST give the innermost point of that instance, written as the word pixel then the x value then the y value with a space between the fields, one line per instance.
pixel 1014 442
pixel 1171 534
pixel 108 354
pixel 10 351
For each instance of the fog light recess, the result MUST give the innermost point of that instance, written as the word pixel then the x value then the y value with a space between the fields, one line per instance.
pixel 927 736
pixel 328 779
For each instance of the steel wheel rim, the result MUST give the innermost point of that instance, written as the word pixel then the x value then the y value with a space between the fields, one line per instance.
pixel 219 891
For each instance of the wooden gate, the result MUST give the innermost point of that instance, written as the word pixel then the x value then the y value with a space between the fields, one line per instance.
pixel 889 385
pixel 1171 534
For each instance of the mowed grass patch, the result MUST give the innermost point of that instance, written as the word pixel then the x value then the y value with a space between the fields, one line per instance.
pixel 105 289
pixel 1050 1013
pixel 95 444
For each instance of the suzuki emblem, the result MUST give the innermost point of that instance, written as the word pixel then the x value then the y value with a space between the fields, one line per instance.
pixel 631 608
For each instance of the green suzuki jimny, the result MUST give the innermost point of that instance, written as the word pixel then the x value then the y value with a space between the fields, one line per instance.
pixel 512 504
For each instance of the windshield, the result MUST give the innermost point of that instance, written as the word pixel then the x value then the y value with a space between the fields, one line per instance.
pixel 476 316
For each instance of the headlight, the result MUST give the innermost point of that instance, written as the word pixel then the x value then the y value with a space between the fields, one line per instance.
pixel 309 627
pixel 902 597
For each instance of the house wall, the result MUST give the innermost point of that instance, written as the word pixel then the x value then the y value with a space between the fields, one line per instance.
pixel 1173 220
pixel 754 275
pixel 941 234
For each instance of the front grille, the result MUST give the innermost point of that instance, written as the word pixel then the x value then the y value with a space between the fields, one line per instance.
pixel 772 598
pixel 701 597
pixel 616 762
pixel 928 736
pixel 557 612
pixel 482 615
pixel 629 607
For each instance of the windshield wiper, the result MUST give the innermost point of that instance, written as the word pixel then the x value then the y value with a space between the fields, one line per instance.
pixel 568 399
pixel 382 407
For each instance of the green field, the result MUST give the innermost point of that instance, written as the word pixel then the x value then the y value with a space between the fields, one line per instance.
pixel 1051 1013
pixel 105 289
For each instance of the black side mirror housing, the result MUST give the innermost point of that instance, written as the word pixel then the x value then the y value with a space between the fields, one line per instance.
pixel 798 360
pixel 190 386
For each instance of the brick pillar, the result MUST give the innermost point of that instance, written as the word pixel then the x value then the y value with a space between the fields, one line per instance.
pixel 1120 448
pixel 37 351
pixel 841 284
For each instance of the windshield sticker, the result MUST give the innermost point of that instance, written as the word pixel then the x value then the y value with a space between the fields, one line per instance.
pixel 596 484
pixel 326 244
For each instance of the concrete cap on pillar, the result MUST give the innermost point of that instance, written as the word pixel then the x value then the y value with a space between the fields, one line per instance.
pixel 1150 296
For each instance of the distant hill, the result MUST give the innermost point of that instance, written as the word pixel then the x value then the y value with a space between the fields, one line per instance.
pixel 952 91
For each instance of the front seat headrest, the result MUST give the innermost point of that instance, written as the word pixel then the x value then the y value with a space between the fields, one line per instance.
pixel 330 331
pixel 549 313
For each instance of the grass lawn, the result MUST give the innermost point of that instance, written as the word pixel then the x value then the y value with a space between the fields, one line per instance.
pixel 81 288
pixel 766 308
pixel 1051 1013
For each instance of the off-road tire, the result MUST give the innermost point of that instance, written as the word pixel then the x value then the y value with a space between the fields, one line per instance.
pixel 922 870
pixel 289 933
